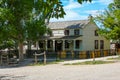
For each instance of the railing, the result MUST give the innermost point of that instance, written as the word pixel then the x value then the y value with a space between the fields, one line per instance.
pixel 76 54
pixel 88 54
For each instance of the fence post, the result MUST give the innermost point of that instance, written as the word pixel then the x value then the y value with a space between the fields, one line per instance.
pixel 35 58
pixel 44 57
pixel 93 55
pixel 1 59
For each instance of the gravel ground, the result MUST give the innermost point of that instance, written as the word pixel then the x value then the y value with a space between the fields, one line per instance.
pixel 62 72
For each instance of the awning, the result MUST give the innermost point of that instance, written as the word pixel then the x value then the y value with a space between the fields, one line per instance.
pixel 61 37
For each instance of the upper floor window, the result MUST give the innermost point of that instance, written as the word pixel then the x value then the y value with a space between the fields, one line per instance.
pixel 76 32
pixel 96 32
pixel 66 32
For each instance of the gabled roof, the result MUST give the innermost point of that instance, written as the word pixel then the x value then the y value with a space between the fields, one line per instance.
pixel 68 24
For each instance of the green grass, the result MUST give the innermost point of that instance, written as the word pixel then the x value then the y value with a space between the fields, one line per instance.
pixel 90 63
pixel 117 58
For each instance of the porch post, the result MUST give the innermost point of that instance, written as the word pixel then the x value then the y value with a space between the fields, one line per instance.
pixel 63 45
pixel 53 45
pixel 73 44
pixel 46 44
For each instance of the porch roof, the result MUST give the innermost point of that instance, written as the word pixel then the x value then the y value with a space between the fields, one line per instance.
pixel 60 37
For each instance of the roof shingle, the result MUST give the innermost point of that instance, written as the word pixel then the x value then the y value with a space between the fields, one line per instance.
pixel 68 24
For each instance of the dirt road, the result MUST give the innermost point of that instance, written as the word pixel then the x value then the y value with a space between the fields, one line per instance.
pixel 62 72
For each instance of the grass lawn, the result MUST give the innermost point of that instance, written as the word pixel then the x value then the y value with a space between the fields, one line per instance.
pixel 90 63
pixel 117 58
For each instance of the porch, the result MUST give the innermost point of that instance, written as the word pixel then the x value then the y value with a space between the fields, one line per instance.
pixel 57 45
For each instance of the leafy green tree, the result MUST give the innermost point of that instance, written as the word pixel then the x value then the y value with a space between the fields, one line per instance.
pixel 15 14
pixel 35 29
pixel 110 21
pixel 9 44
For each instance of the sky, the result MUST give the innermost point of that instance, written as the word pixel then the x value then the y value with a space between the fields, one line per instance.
pixel 76 11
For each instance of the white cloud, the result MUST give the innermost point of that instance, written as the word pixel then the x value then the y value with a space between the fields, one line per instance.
pixel 105 2
pixel 94 12
pixel 72 5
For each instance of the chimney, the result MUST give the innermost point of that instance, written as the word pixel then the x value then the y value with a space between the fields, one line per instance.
pixel 90 17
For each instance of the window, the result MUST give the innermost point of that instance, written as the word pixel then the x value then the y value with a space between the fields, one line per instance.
pixel 77 44
pixel 41 44
pixel 49 44
pixel 101 44
pixel 96 32
pixel 76 32
pixel 96 44
pixel 66 32
pixel 66 44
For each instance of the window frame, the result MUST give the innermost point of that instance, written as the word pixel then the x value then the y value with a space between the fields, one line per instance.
pixel 76 32
pixel 49 44
pixel 67 32
pixel 96 32
pixel 77 44
pixel 101 44
pixel 67 45
pixel 96 44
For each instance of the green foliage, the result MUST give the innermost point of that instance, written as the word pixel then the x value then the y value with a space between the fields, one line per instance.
pixel 116 58
pixel 110 21
pixel 7 44
pixel 80 1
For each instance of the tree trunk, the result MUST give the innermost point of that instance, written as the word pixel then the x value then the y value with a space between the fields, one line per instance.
pixel 21 56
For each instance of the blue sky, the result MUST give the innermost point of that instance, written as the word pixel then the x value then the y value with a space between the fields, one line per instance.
pixel 76 11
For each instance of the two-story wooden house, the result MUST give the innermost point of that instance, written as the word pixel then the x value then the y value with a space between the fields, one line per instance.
pixel 78 35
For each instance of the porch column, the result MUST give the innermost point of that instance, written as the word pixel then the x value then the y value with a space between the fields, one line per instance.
pixel 53 45
pixel 63 45
pixel 73 44
pixel 37 45
pixel 46 44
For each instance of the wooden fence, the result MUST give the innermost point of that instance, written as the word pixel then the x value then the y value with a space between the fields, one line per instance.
pixel 76 54
pixel 87 54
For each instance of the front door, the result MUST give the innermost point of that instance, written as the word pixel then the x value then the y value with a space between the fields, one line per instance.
pixel 58 45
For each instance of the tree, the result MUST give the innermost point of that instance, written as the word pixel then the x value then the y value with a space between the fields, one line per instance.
pixel 7 44
pixel 15 14
pixel 110 21
pixel 35 29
